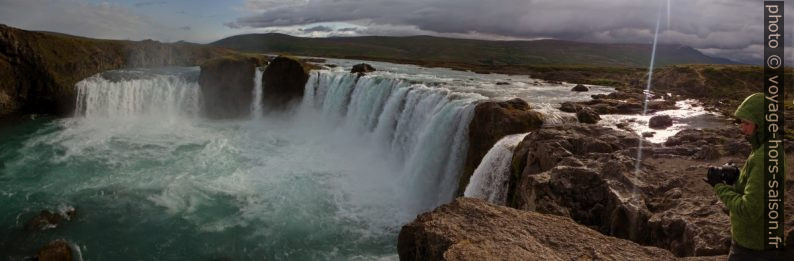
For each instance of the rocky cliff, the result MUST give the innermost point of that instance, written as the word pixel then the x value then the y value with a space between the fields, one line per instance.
pixel 39 69
pixel 492 121
pixel 283 81
pixel 226 86
pixel 588 173
pixel 472 229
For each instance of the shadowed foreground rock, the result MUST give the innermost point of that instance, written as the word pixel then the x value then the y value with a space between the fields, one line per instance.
pixel 587 173
pixel 492 121
pixel 472 229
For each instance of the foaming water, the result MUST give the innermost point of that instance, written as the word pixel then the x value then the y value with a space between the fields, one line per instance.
pixel 489 181
pixel 156 95
pixel 152 180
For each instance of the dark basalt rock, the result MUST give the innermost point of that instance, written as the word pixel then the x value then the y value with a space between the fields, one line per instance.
pixel 492 121
pixel 226 87
pixel 579 88
pixel 47 219
pixel 660 122
pixel 472 229
pixel 570 107
pixel 284 81
pixel 362 68
pixel 588 173
pixel 58 250
pixel 587 115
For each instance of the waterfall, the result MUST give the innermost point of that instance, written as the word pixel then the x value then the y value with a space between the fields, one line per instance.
pixel 421 130
pixel 489 180
pixel 425 129
pixel 256 105
pixel 159 95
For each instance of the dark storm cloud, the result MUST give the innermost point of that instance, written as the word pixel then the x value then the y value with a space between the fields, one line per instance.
pixel 716 25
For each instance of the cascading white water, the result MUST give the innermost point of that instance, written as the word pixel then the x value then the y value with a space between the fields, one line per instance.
pixel 256 105
pixel 159 95
pixel 423 129
pixel 489 180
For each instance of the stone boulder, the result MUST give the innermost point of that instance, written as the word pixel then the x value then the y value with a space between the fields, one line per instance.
pixel 283 82
pixel 660 122
pixel 579 88
pixel 472 229
pixel 625 103
pixel 587 115
pixel 492 121
pixel 58 250
pixel 47 219
pixel 362 68
pixel 588 173
pixel 226 87
pixel 570 107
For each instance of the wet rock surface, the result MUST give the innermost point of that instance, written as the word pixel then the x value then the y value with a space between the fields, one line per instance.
pixel 493 120
pixel 472 229
pixel 47 219
pixel 362 68
pixel 587 115
pixel 284 81
pixel 619 103
pixel 226 87
pixel 57 250
pixel 660 122
pixel 579 88
pixel 587 173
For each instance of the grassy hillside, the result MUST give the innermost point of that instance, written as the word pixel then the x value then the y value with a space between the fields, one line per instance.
pixel 474 52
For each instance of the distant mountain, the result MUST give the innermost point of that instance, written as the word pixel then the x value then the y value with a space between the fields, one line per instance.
pixel 467 51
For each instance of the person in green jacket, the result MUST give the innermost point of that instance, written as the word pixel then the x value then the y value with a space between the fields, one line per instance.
pixel 745 199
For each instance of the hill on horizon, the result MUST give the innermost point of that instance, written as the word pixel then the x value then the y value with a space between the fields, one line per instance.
pixel 468 51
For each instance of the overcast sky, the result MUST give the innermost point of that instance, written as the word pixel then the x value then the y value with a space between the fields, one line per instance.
pixel 730 29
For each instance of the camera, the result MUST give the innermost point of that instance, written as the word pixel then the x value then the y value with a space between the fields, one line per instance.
pixel 727 173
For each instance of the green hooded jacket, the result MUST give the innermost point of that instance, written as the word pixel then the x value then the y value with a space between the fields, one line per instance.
pixel 745 199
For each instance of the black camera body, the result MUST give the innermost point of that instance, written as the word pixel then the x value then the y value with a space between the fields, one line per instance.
pixel 727 174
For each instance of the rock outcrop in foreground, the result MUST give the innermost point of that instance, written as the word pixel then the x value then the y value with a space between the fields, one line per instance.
pixel 491 122
pixel 39 69
pixel 284 81
pixel 472 229
pixel 587 173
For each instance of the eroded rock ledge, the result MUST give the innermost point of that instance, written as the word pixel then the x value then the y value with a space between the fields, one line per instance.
pixel 226 86
pixel 588 173
pixel 472 229
pixel 492 121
